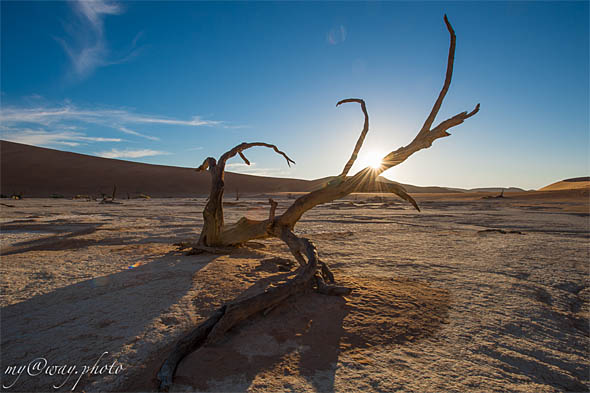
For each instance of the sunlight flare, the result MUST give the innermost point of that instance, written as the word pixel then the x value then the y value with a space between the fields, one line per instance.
pixel 371 158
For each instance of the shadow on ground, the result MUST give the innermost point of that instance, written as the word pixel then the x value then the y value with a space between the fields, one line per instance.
pixel 304 337
pixel 73 325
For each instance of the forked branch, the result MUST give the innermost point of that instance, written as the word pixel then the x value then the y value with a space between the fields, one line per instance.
pixel 426 136
pixel 359 142
pixel 243 146
pixel 449 74
pixel 212 233
pixel 209 162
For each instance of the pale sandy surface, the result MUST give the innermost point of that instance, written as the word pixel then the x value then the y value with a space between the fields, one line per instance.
pixel 438 304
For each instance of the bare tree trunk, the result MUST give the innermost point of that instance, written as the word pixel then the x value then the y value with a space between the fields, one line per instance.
pixel 215 233
pixel 213 230
pixel 312 272
pixel 213 212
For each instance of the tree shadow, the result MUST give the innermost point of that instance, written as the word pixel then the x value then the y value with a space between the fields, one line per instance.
pixel 65 236
pixel 304 337
pixel 124 312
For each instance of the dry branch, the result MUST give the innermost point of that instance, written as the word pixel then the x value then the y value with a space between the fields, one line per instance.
pixel 243 146
pixel 361 139
pixel 214 226
pixel 340 186
pixel 400 191
pixel 312 273
pixel 450 62
pixel 308 277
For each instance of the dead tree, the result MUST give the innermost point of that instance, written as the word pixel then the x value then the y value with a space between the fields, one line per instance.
pixel 312 272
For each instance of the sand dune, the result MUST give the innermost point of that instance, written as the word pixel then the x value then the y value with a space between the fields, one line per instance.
pixel 41 172
pixel 569 184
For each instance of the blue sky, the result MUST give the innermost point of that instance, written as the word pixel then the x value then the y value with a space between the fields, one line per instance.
pixel 174 82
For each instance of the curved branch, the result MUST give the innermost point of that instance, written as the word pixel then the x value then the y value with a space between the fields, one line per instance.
pixel 361 139
pixel 212 233
pixel 426 136
pixel 243 146
pixel 401 192
pixel 209 162
pixel 437 104
pixel 187 344
pixel 244 158
pixel 454 121
pixel 423 142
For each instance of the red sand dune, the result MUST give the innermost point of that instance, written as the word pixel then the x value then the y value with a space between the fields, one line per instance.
pixel 41 172
pixel 576 183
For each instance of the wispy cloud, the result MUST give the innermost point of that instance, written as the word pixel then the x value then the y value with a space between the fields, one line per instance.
pixel 252 169
pixel 86 45
pixel 51 115
pixel 195 121
pixel 131 132
pixel 69 117
pixel 95 10
pixel 34 96
pixel 36 124
pixel 127 153
pixel 336 35
pixel 239 165
pixel 47 139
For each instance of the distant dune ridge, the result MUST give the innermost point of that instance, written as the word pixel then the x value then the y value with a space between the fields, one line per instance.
pixel 490 189
pixel 569 184
pixel 41 172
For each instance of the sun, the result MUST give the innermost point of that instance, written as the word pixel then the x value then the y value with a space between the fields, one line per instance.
pixel 370 158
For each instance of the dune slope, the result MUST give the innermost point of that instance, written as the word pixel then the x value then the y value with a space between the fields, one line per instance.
pixel 568 184
pixel 41 172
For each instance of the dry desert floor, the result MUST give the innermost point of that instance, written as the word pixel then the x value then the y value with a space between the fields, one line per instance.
pixel 470 294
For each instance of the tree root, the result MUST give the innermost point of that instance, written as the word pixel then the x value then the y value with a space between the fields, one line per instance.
pixel 200 249
pixel 310 275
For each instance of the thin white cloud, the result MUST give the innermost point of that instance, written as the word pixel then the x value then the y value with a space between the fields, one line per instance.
pixel 195 121
pixel 131 132
pixel 34 96
pixel 47 139
pixel 239 165
pixel 127 153
pixel 336 35
pixel 248 170
pixel 65 124
pixel 50 115
pixel 86 46
pixel 95 9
